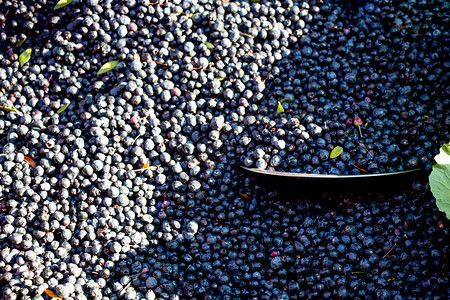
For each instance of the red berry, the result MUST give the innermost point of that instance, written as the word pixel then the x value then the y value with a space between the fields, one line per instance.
pixel 176 92
pixel 357 121
pixel 274 253
pixel 132 27
pixel 349 122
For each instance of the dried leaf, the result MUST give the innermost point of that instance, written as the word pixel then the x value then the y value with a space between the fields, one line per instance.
pixel 63 108
pixel 145 166
pixel 280 108
pixel 336 151
pixel 209 45
pixel 30 161
pixel 25 56
pixel 245 196
pixel 62 3
pixel 52 294
pixel 108 67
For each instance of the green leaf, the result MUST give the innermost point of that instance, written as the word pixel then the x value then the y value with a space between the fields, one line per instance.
pixel 440 180
pixel 288 100
pixel 280 108
pixel 62 3
pixel 108 67
pixel 63 108
pixel 255 1
pixel 220 78
pixel 25 57
pixel 8 109
pixel 336 152
pixel 19 43
pixel 209 45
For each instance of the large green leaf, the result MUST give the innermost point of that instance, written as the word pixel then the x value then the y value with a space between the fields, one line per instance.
pixel 107 67
pixel 25 57
pixel 336 151
pixel 440 180
pixel 62 3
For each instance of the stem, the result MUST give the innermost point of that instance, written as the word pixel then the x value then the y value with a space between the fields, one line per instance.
pixel 389 250
pixel 136 138
pixel 359 127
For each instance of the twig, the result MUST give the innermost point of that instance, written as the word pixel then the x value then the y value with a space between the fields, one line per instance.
pixel 361 169
pixel 17 111
pixel 159 63
pixel 138 136
pixel 145 270
pixel 270 73
pixel 122 292
pixel 246 34
pixel 364 146
pixel 389 250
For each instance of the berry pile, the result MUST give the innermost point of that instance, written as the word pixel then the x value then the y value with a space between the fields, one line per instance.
pixel 124 184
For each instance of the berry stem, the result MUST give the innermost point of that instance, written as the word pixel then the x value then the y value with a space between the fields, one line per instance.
pixel 389 251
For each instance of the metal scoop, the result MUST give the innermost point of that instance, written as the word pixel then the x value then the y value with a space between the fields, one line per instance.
pixel 326 176
pixel 321 181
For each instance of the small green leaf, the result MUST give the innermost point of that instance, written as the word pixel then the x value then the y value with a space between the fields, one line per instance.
pixel 280 108
pixel 62 3
pixel 440 180
pixel 255 1
pixel 288 100
pixel 63 108
pixel 19 43
pixel 220 78
pixel 108 67
pixel 336 152
pixel 209 45
pixel 177 13
pixel 8 109
pixel 302 116
pixel 25 57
